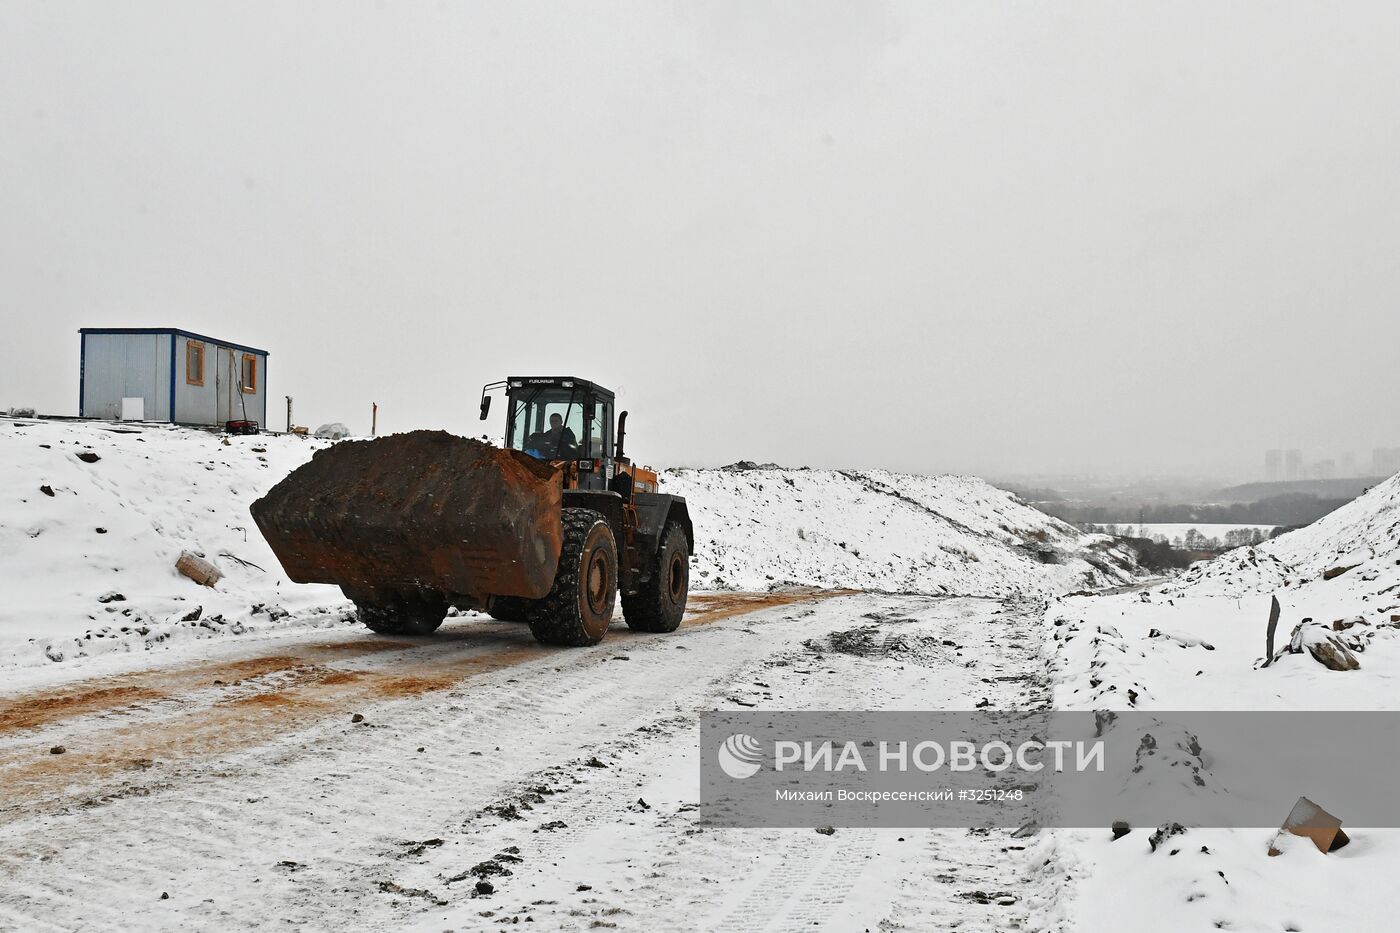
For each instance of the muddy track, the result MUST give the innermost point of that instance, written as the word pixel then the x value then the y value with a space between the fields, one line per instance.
pixel 115 727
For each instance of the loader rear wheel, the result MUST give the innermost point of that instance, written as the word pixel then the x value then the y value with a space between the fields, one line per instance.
pixel 400 612
pixel 660 603
pixel 579 608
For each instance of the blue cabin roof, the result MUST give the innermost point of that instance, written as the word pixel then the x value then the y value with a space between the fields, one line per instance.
pixel 172 331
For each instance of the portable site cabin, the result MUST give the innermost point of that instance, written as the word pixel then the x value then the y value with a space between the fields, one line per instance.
pixel 177 376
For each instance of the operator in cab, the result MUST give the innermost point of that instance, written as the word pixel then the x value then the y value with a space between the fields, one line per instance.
pixel 558 443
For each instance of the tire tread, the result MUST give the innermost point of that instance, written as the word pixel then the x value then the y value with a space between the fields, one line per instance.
pixel 647 611
pixel 556 619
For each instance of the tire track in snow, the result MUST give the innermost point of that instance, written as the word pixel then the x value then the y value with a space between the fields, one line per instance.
pixel 657 868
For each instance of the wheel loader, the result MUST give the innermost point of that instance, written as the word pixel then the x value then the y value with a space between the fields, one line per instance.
pixel 549 529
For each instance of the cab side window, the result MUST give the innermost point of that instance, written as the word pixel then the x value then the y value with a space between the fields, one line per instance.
pixel 600 431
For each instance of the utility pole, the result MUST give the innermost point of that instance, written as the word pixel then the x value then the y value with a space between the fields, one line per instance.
pixel 289 414
pixel 373 418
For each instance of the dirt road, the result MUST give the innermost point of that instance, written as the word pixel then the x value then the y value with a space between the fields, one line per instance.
pixel 238 789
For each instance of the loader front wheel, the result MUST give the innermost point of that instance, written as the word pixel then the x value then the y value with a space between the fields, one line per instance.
pixel 579 608
pixel 400 612
pixel 660 603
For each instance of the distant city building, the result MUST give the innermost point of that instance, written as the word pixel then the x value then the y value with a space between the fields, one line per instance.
pixel 1273 465
pixel 1325 469
pixel 1385 461
pixel 1348 467
pixel 1293 464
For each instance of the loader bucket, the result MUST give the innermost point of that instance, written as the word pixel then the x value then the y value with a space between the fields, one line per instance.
pixel 423 509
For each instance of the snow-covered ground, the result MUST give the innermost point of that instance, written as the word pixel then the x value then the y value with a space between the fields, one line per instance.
pixel 224 782
pixel 1148 650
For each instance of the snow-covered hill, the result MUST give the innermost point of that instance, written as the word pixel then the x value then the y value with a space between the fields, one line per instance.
pixel 883 531
pixel 91 567
pixel 88 549
pixel 1347 562
pixel 1198 643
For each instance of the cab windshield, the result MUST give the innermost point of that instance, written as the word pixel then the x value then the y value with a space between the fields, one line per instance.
pixel 546 423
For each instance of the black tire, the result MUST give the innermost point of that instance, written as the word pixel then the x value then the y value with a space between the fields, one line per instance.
pixel 510 609
pixel 579 608
pixel 660 603
pixel 400 612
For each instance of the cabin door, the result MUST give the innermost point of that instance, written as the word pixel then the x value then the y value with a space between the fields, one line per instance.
pixel 225 384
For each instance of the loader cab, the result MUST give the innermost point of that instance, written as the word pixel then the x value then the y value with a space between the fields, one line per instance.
pixel 563 418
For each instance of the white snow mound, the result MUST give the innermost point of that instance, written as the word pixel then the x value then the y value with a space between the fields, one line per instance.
pixel 875 530
pixel 88 549
pixel 1356 547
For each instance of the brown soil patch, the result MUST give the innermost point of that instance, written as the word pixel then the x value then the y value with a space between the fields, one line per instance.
pixel 335 678
pixel 712 607
pixel 264 700
pixel 411 686
pixel 28 712
pixel 108 694
pixel 235 671
pixel 364 646
pixel 30 775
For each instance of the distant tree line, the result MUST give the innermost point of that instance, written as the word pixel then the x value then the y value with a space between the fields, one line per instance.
pixel 1193 540
pixel 1289 509
pixel 1159 557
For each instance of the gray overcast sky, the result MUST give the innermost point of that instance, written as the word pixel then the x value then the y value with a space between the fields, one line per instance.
pixel 972 237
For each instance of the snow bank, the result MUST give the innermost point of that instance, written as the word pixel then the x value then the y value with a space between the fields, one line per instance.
pixel 94 515
pixel 1358 542
pixel 892 532
pixel 1197 643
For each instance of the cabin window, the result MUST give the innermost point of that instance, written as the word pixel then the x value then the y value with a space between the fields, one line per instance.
pixel 194 363
pixel 250 373
pixel 531 424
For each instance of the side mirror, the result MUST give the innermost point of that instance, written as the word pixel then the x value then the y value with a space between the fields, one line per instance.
pixel 485 406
